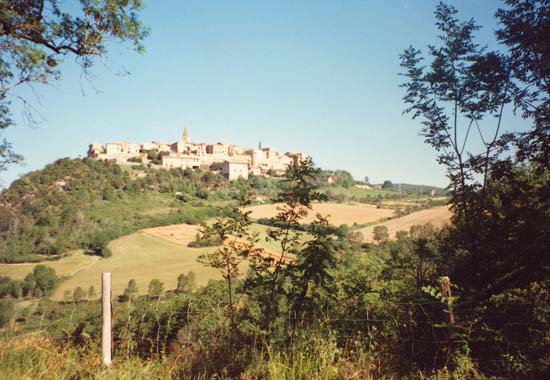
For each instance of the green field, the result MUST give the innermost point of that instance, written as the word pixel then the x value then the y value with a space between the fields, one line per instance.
pixel 143 258
pixel 67 266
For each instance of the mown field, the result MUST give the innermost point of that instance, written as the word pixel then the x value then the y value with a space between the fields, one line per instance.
pixel 143 257
pixel 437 216
pixel 67 266
pixel 339 213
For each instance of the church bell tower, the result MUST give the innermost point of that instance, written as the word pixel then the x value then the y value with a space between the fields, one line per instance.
pixel 185 136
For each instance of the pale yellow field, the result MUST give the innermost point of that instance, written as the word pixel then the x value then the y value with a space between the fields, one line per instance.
pixel 142 257
pixel 178 233
pixel 339 213
pixel 66 266
pixel 438 216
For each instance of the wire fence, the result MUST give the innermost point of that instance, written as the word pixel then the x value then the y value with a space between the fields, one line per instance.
pixel 420 328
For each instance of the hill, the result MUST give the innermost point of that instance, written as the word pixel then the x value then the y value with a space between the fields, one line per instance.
pixel 82 203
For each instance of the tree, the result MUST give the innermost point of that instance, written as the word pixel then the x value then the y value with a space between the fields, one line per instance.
pixel 7 311
pixel 67 296
pixel 216 166
pixel 97 243
pixel 131 291
pixel 29 284
pixel 387 185
pixel 91 292
pixel 186 282
pixel 238 244
pixel 524 31
pixel 37 36
pixel 495 250
pixel 79 294
pixel 156 288
pixel 380 234
pixel 16 289
pixel 366 179
pixel 312 271
pixel 44 277
pixel 464 86
pixel 270 272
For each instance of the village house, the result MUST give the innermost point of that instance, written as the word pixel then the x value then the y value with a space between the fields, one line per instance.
pixel 218 149
pixel 158 146
pixel 123 148
pixel 94 150
pixel 234 170
pixel 180 161
pixel 187 154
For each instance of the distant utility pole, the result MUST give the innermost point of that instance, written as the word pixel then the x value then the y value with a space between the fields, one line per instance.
pixel 399 189
pixel 107 309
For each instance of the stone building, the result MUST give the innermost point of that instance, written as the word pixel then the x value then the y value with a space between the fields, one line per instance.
pixel 122 148
pixel 94 150
pixel 187 154
pixel 180 161
pixel 218 149
pixel 234 170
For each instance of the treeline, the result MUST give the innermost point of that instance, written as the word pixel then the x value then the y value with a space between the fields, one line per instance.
pixel 36 284
pixel 407 188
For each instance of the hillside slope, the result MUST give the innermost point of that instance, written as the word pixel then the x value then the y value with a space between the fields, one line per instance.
pixel 81 203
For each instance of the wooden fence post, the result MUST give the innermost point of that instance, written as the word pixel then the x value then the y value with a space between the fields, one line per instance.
pixel 447 298
pixel 107 308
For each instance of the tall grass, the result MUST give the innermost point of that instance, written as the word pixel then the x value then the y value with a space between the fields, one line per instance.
pixel 35 357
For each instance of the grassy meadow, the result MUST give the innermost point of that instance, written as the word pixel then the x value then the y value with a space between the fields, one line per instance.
pixel 142 257
pixel 67 266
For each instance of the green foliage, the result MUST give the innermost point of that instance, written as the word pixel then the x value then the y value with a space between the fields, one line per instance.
pixel 496 246
pixel 186 282
pixel 311 275
pixel 237 245
pixel 10 287
pixel 387 185
pixel 155 289
pixel 78 295
pixel 7 309
pixel 85 203
pixel 313 360
pixel 131 291
pixel 44 277
pixel 97 241
pixel 216 166
pixel 380 234
pixel 38 36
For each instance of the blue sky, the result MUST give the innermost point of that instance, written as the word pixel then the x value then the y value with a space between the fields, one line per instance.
pixel 314 76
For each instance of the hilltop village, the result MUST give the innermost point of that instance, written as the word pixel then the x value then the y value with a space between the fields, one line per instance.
pixel 236 161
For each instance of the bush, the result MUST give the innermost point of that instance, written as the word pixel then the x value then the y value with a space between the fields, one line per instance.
pixel 44 277
pixel 7 310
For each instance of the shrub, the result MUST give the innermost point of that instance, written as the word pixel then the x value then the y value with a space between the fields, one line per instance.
pixel 7 309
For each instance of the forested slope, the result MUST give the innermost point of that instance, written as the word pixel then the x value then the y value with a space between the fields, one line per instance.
pixel 75 203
